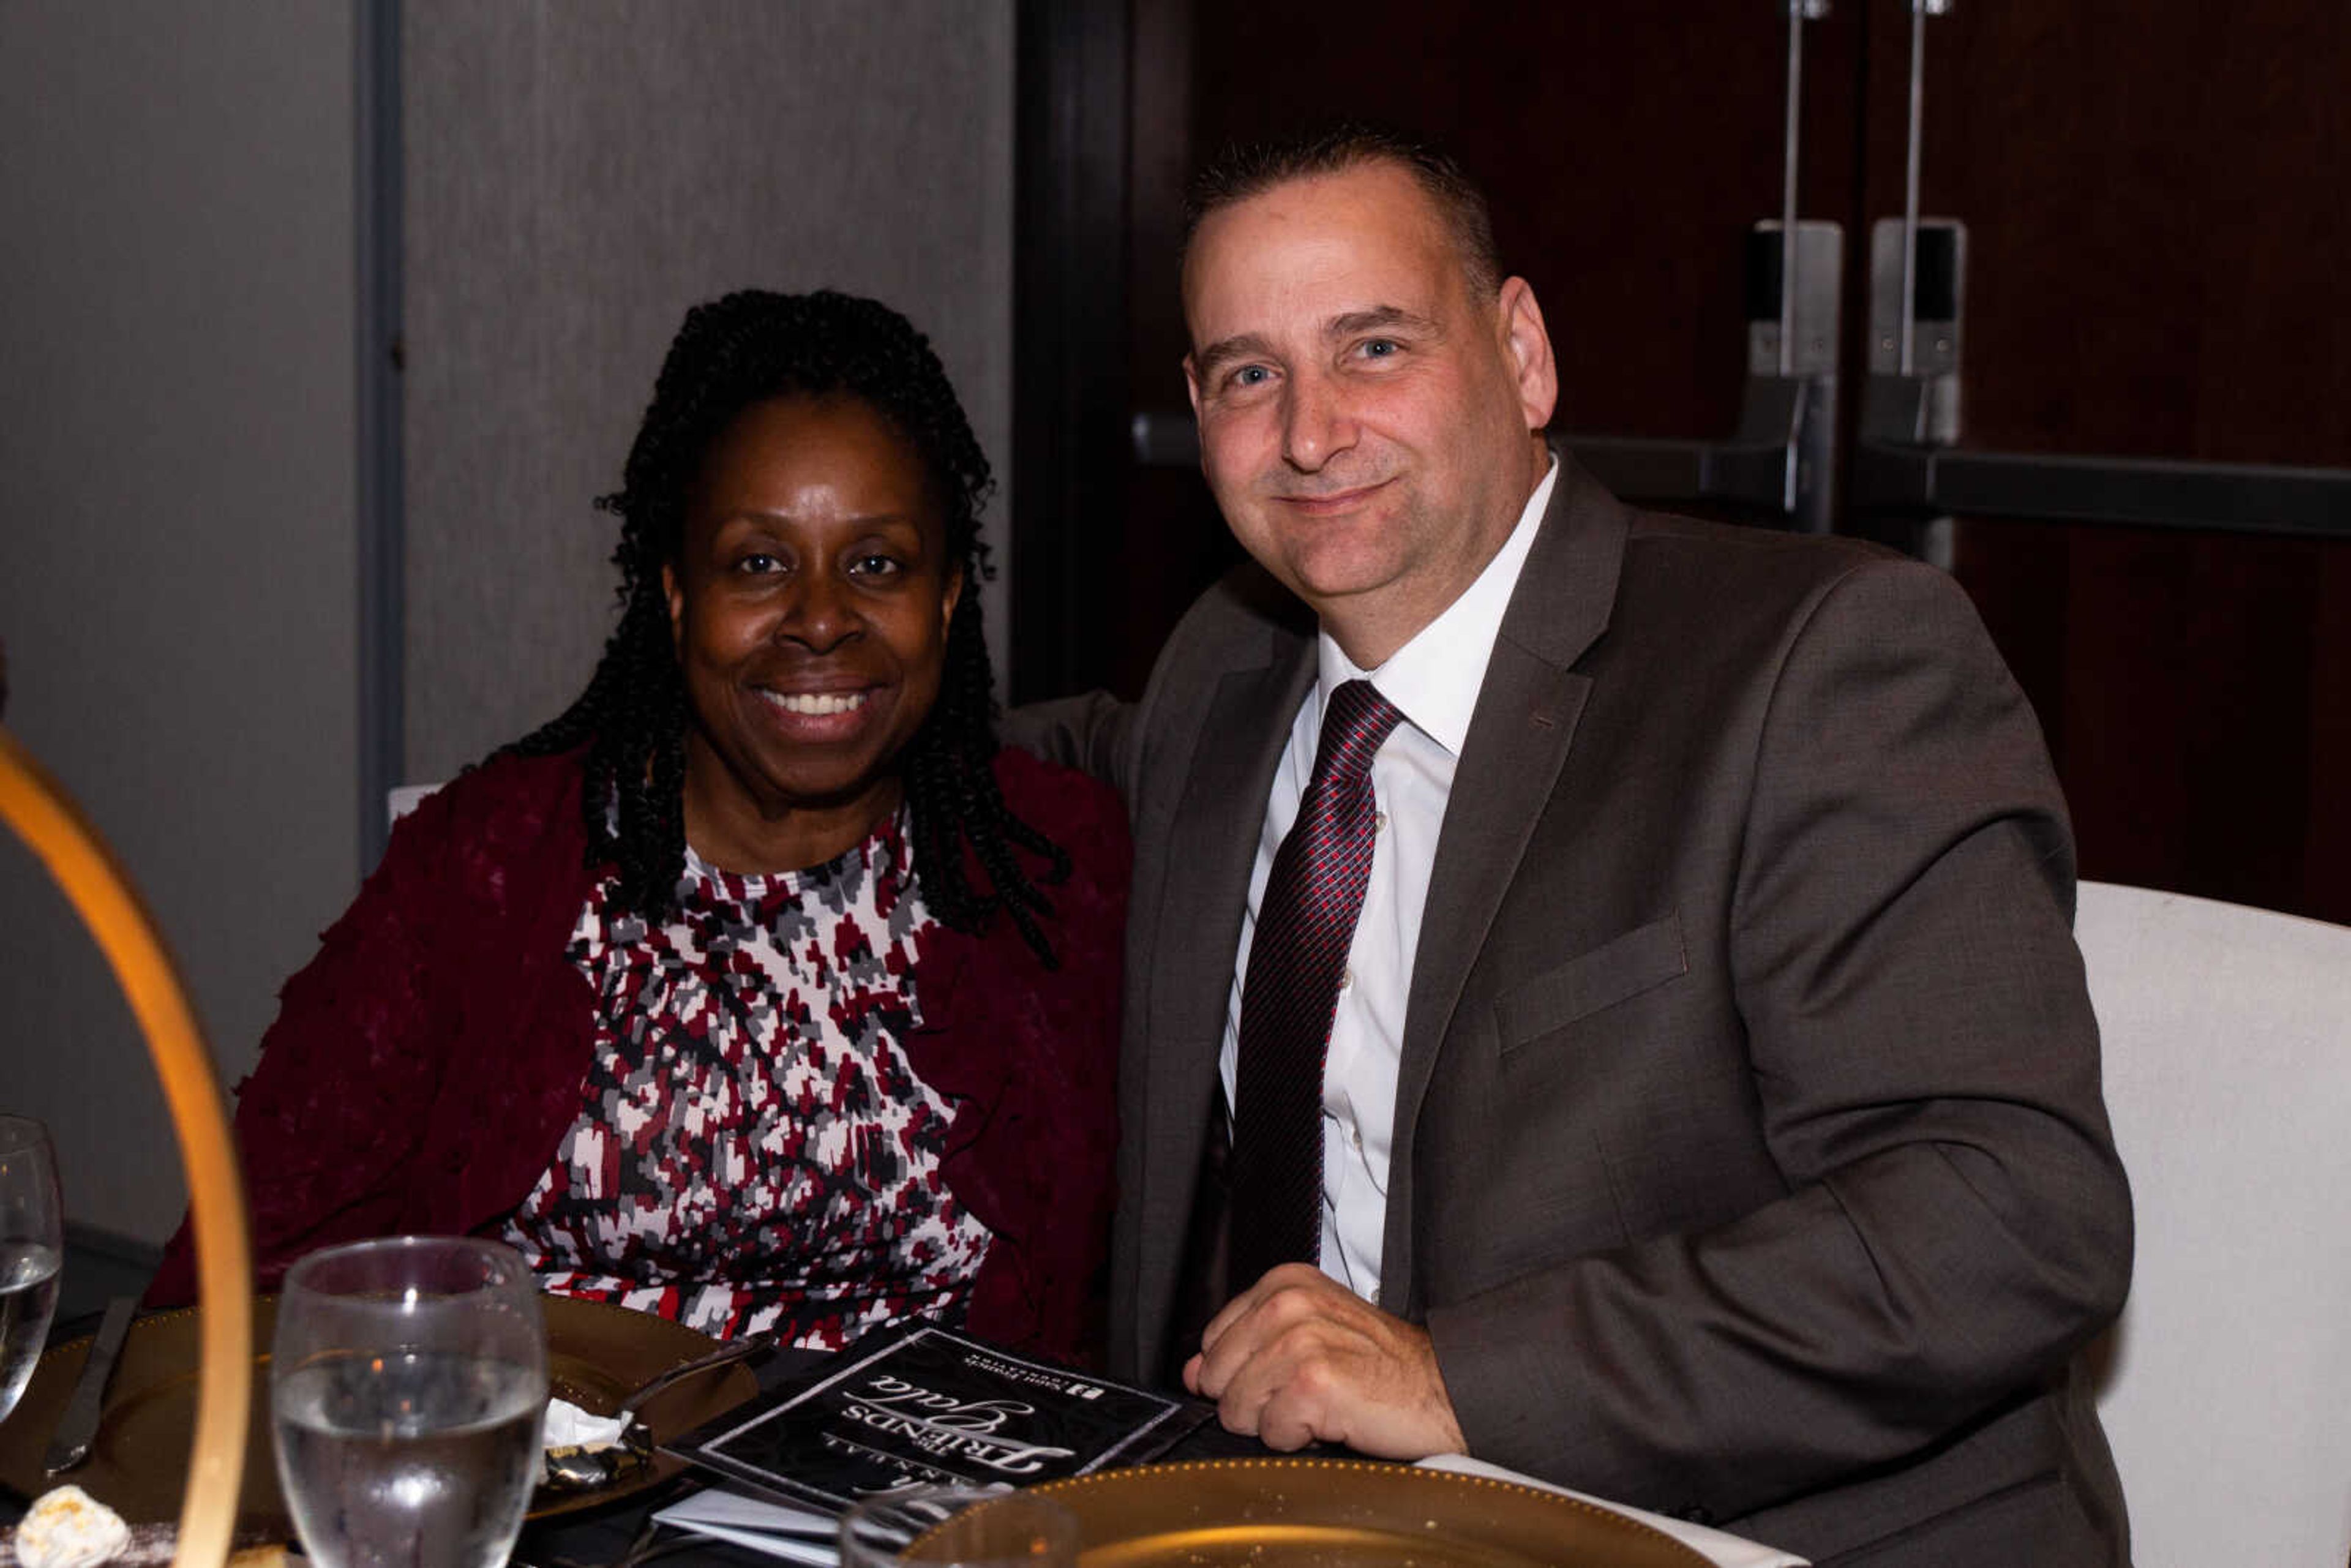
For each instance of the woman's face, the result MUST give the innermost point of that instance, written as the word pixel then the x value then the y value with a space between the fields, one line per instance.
pixel 810 605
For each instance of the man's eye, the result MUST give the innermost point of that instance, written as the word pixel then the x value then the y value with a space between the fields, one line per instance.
pixel 1252 376
pixel 1381 348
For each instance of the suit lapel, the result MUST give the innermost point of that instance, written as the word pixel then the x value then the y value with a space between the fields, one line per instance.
pixel 1519 739
pixel 1212 849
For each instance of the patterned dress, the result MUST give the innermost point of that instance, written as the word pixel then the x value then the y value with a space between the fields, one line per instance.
pixel 754 1150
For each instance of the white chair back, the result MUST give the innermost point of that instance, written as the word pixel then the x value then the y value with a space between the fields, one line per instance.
pixel 2228 1072
pixel 403 798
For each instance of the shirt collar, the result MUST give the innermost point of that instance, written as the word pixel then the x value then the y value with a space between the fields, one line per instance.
pixel 1435 678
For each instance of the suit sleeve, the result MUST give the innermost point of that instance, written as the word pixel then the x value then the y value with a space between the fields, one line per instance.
pixel 1094 734
pixel 1956 1223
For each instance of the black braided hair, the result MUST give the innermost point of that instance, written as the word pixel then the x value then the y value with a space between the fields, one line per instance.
pixel 731 354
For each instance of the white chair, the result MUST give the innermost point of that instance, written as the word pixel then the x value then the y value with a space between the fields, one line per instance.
pixel 403 798
pixel 2228 1072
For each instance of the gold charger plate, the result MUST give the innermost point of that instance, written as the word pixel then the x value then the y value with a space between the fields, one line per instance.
pixel 1290 1513
pixel 138 1464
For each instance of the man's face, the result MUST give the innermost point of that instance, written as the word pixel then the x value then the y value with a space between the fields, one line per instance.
pixel 1367 426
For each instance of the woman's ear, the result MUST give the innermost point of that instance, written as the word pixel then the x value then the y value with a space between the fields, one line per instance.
pixel 675 594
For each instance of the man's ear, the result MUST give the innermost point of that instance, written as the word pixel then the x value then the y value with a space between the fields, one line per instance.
pixel 676 597
pixel 1527 344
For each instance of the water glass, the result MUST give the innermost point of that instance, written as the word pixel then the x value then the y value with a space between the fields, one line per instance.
pixel 32 1248
pixel 958 1527
pixel 407 1384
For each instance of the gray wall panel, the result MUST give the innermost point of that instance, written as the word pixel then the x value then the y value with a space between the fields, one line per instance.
pixel 578 174
pixel 177 575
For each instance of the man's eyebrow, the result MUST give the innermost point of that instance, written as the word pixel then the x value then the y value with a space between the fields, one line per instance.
pixel 1376 318
pixel 1222 352
pixel 1250 345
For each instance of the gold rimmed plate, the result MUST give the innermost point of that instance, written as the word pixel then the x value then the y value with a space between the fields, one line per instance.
pixel 138 1464
pixel 1290 1513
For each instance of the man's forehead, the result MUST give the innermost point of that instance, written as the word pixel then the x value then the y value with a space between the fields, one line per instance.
pixel 1360 239
pixel 1375 199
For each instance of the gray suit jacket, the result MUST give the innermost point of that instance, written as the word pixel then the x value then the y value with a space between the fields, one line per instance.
pixel 1750 1159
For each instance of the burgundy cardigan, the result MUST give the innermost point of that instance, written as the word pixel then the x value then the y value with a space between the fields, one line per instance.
pixel 424 1066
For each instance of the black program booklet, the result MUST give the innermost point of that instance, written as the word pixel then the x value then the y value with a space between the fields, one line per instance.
pixel 927 1405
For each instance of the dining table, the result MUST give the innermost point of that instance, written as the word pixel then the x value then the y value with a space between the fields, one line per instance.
pixel 623 1533
pixel 606 1537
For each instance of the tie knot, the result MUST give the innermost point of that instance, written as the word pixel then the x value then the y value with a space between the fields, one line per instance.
pixel 1355 726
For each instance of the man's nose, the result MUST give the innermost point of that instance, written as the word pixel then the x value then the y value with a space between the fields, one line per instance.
pixel 1316 422
pixel 822 614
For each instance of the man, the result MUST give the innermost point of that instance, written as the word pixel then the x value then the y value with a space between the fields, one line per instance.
pixel 1711 1115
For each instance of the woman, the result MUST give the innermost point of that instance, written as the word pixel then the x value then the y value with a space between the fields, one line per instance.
pixel 759 989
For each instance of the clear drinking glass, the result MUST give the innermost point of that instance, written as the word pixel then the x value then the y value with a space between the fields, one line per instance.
pixel 31 1249
pixel 958 1527
pixel 407 1384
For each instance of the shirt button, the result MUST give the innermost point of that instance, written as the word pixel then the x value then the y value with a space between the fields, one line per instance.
pixel 1379 821
pixel 1347 980
pixel 1356 1138
pixel 1375 1295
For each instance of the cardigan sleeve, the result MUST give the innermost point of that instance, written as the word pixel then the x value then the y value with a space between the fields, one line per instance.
pixel 336 1107
pixel 424 1064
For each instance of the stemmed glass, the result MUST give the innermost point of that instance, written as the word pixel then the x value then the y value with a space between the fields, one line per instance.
pixel 407 1384
pixel 31 1249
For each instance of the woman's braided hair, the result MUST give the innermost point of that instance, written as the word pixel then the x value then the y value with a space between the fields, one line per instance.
pixel 730 354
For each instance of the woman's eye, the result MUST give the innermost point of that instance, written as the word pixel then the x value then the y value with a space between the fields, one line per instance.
pixel 876 566
pixel 758 562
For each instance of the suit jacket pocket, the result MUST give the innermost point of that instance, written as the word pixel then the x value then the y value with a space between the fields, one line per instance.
pixel 1641 959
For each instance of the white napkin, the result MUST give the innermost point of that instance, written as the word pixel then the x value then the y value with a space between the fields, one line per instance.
pixel 794 1534
pixel 1723 1550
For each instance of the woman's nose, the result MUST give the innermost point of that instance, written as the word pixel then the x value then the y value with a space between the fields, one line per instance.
pixel 822 614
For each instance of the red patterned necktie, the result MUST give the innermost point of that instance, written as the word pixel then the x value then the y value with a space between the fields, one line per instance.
pixel 1305 926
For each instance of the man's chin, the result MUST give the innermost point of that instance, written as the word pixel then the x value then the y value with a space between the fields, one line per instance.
pixel 1336 572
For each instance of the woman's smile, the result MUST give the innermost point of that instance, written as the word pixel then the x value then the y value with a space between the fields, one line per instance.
pixel 828 717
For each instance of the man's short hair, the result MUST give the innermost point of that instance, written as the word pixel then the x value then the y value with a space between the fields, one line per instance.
pixel 1243 169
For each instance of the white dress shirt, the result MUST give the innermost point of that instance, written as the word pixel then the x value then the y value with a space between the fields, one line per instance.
pixel 1434 680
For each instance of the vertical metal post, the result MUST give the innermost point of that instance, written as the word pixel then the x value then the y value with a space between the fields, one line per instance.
pixel 376 208
pixel 1919 11
pixel 1792 141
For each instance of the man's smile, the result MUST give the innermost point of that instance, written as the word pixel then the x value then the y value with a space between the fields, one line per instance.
pixel 1330 503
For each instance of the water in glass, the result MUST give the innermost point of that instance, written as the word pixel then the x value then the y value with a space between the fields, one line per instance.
pixel 408 1380
pixel 408 1459
pixel 32 1246
pixel 28 1298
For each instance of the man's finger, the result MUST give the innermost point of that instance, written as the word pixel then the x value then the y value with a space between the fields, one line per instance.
pixel 1280 1276
pixel 1286 1296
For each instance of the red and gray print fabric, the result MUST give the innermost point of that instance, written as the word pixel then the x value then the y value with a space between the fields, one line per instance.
pixel 753 1150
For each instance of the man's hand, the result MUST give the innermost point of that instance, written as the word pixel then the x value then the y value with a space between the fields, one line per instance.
pixel 1297 1357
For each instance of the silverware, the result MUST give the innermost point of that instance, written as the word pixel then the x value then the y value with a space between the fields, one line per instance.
pixel 69 1444
pixel 727 1354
